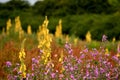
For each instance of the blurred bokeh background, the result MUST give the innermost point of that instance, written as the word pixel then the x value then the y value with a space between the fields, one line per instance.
pixel 78 16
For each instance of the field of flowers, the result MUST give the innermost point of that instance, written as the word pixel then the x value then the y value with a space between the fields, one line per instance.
pixel 46 56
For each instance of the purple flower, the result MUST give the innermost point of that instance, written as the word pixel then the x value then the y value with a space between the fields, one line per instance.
pixel 41 51
pixel 76 67
pixel 45 73
pixel 104 38
pixel 15 77
pixel 71 76
pixel 33 74
pixel 104 62
pixel 82 56
pixel 56 71
pixel 96 72
pixel 87 73
pixel 68 48
pixel 35 60
pixel 67 45
pixel 85 50
pixel 66 79
pixel 15 69
pixel 61 75
pixel 10 77
pixel 38 57
pixel 66 67
pixel 79 61
pixel 17 64
pixel 28 75
pixel 71 68
pixel 88 65
pixel 33 67
pixel 53 75
pixel 102 70
pixel 8 64
pixel 70 51
pixel 19 72
pixel 108 75
pixel 115 58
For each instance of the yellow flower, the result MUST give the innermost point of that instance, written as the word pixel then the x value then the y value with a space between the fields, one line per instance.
pixel 53 65
pixel 29 31
pixel 58 33
pixel 8 25
pixel 106 51
pixel 22 57
pixel 24 75
pixel 88 37
pixel 44 39
pixel 48 54
pixel 46 60
pixel 67 38
pixel 118 55
pixel 17 24
pixel 23 68
pixel 63 69
pixel 61 57
pixel 113 40
pixel 75 41
pixel 23 53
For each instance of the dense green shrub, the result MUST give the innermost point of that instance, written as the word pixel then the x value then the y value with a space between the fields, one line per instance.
pixel 97 16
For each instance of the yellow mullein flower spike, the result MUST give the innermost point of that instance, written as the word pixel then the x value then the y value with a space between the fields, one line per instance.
pixel 9 24
pixel 113 40
pixel 106 51
pixel 22 57
pixel 61 57
pixel 18 27
pixel 58 33
pixel 63 69
pixel 75 41
pixel 67 38
pixel 118 50
pixel 24 75
pixel 45 40
pixel 29 31
pixel 17 24
pixel 88 37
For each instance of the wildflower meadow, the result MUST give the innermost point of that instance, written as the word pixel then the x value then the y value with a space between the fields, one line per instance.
pixel 41 55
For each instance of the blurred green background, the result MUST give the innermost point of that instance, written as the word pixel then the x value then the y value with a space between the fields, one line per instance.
pixel 78 16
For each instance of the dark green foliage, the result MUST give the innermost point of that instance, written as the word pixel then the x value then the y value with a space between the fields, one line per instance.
pixel 98 16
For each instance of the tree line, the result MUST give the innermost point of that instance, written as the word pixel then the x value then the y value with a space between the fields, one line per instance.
pixel 78 16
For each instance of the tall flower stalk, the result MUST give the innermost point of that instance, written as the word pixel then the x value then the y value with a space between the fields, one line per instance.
pixel 45 40
pixel 22 55
pixel 58 33
pixel 9 24
pixel 88 37
pixel 18 27
pixel 29 31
